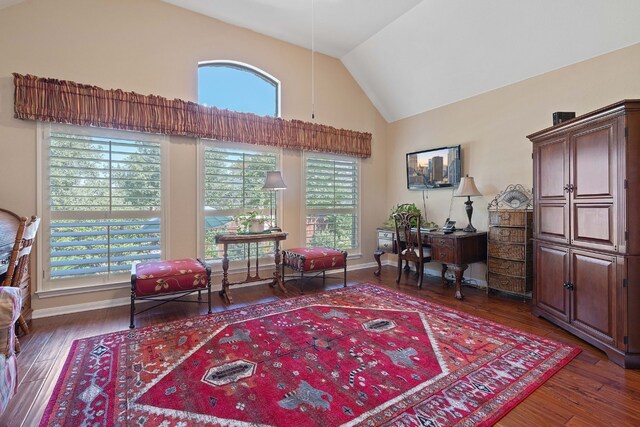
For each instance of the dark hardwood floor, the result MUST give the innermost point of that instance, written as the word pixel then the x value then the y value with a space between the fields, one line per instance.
pixel 590 390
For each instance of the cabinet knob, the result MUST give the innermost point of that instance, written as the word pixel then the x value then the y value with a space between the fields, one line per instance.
pixel 568 285
pixel 569 188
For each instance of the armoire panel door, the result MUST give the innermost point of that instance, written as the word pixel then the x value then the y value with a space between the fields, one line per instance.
pixel 551 169
pixel 550 275
pixel 594 179
pixel 594 296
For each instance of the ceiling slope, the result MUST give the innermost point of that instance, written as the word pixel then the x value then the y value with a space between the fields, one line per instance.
pixel 443 51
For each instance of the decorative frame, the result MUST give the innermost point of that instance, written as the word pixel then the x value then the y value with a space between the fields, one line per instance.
pixel 515 196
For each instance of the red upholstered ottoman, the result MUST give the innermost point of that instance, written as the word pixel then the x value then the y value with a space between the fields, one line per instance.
pixel 315 259
pixel 181 277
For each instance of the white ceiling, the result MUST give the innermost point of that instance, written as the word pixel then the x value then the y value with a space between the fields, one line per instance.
pixel 339 25
pixel 411 56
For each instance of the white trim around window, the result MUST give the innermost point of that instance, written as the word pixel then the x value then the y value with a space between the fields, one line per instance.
pixel 123 221
pixel 343 199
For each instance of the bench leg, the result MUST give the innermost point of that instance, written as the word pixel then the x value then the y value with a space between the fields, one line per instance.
pixel 345 270
pixel 133 310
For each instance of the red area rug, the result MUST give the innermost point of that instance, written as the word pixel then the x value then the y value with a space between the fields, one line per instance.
pixel 361 355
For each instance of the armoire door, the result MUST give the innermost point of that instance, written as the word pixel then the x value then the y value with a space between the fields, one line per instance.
pixel 551 276
pixel 594 294
pixel 594 183
pixel 551 190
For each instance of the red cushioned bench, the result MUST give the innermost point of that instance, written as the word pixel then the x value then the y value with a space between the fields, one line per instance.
pixel 315 259
pixel 154 280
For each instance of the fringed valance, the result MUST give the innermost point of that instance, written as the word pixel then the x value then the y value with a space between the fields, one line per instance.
pixel 63 101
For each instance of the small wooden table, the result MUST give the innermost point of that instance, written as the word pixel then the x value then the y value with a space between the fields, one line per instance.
pixel 454 250
pixel 227 239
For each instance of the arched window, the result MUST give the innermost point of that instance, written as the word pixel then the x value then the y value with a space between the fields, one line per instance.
pixel 232 174
pixel 239 87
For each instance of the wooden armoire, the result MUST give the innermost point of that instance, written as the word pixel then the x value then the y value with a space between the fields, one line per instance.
pixel 586 232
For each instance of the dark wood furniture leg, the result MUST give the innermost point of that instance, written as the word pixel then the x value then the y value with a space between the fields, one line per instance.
pixel 377 255
pixel 459 272
pixel 277 276
pixel 445 282
pixel 225 277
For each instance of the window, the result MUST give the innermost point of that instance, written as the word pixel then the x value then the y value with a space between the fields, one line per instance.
pixel 233 180
pixel 232 175
pixel 102 204
pixel 331 201
pixel 239 87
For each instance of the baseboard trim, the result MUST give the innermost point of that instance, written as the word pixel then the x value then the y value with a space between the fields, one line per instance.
pixel 117 302
pixel 77 308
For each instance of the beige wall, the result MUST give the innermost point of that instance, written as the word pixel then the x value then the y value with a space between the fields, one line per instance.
pixel 150 47
pixel 492 130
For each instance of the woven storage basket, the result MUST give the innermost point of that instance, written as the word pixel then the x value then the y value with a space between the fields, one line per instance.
pixel 509 218
pixel 512 268
pixel 509 235
pixel 509 283
pixel 507 251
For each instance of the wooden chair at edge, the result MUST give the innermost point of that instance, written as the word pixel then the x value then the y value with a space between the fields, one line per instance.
pixel 410 247
pixel 19 263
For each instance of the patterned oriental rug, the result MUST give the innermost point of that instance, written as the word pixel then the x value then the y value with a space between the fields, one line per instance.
pixel 356 356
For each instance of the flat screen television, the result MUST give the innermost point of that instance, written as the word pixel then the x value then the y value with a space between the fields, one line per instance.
pixel 434 168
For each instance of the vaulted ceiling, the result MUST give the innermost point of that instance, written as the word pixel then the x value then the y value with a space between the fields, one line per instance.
pixel 411 56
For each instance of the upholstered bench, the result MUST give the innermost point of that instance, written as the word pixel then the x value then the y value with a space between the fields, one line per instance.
pixel 315 259
pixel 153 281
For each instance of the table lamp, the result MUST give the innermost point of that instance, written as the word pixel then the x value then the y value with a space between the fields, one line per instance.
pixel 467 188
pixel 274 182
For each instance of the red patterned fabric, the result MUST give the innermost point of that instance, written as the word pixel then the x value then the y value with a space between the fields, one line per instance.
pixel 153 278
pixel 357 356
pixel 315 258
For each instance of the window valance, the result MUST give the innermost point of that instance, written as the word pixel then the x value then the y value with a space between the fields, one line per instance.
pixel 62 101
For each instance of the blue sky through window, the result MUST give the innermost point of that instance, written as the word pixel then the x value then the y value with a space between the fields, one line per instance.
pixel 237 89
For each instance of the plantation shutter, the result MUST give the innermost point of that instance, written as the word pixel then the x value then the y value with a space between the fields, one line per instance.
pixel 331 202
pixel 233 181
pixel 104 206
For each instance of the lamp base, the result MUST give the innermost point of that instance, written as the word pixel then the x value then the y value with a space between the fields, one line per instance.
pixel 469 229
pixel 468 206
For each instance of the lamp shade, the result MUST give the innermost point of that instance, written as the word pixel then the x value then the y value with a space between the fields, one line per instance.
pixel 274 181
pixel 467 187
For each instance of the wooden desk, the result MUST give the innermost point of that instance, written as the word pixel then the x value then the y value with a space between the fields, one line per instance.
pixel 455 251
pixel 233 238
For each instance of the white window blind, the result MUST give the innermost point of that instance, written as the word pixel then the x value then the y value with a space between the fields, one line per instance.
pixel 102 206
pixel 331 201
pixel 233 181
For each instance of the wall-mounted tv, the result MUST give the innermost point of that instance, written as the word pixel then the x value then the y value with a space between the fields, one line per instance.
pixel 434 168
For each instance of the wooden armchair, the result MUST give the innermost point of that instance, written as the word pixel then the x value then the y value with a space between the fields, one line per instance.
pixel 19 261
pixel 410 247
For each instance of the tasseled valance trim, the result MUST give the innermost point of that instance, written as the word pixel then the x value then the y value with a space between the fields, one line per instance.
pixel 68 102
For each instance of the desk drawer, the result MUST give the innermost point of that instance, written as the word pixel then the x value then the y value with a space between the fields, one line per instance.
pixel 385 235
pixel 441 242
pixel 385 245
pixel 442 249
